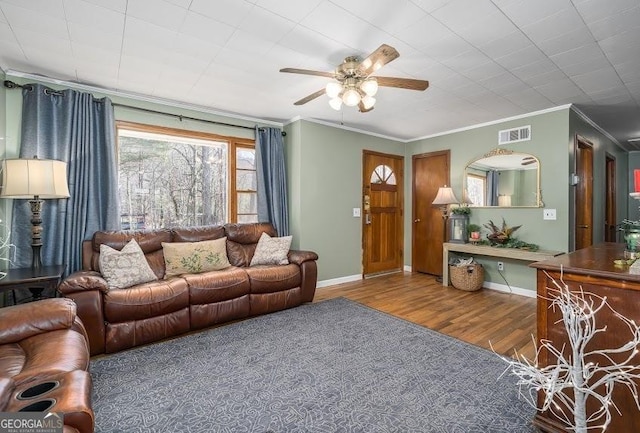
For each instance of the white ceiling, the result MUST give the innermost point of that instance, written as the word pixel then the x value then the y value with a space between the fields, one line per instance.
pixel 485 59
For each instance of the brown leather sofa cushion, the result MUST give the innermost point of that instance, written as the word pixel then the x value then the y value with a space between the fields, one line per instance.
pixel 242 240
pixel 216 286
pixel 268 279
pixel 23 321
pixel 196 234
pixel 44 354
pixel 146 300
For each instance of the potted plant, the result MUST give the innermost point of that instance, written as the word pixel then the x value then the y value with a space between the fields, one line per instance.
pixel 461 210
pixel 474 232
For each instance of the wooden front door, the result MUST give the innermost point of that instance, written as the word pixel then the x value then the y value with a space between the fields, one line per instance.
pixel 430 172
pixel 584 194
pixel 610 200
pixel 382 203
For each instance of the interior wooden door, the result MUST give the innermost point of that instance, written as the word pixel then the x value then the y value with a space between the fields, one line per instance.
pixel 382 204
pixel 610 199
pixel 430 172
pixel 584 194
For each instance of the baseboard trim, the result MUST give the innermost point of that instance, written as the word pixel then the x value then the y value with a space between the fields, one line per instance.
pixel 407 268
pixel 515 290
pixel 334 281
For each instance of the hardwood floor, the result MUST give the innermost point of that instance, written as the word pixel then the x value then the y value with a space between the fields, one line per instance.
pixel 507 321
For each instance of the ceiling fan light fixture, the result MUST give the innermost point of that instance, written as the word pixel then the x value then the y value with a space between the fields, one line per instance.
pixel 369 86
pixel 333 89
pixel 351 97
pixel 335 103
pixel 368 102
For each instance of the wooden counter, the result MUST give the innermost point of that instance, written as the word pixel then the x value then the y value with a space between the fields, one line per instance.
pixel 593 270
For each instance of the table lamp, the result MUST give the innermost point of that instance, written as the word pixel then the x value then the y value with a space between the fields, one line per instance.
pixel 34 179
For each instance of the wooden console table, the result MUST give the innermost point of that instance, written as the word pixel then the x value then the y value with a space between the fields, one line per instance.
pixel 485 250
pixel 593 270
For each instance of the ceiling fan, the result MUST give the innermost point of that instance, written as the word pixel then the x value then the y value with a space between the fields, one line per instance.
pixel 354 84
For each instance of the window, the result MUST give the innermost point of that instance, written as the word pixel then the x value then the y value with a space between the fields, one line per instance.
pixel 174 178
pixel 383 174
pixel 476 189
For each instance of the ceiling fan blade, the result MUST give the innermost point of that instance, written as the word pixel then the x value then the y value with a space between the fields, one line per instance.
pixel 403 83
pixel 308 72
pixel 362 109
pixel 380 57
pixel 310 97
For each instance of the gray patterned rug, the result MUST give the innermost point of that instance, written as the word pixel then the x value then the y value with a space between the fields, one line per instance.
pixel 334 366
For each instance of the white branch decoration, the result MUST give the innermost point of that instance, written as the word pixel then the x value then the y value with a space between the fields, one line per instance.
pixel 575 378
pixel 6 249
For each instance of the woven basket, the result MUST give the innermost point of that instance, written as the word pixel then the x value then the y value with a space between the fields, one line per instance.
pixel 468 278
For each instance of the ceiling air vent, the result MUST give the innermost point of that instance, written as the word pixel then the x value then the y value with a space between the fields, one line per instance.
pixel 522 133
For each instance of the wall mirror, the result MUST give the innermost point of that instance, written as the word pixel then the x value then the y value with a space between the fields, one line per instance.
pixel 503 178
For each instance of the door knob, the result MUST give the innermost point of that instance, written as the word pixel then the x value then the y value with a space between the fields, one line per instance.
pixel 416 220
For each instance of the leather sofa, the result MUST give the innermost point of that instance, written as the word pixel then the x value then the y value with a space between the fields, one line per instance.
pixel 124 318
pixel 44 358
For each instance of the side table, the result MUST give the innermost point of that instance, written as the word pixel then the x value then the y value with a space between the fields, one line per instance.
pixel 36 280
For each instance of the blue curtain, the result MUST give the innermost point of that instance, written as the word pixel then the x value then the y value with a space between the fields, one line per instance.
pixel 492 188
pixel 74 127
pixel 272 179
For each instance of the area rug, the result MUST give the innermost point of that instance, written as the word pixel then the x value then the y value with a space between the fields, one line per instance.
pixel 333 366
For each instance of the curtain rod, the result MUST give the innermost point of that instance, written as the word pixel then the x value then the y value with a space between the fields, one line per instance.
pixel 12 85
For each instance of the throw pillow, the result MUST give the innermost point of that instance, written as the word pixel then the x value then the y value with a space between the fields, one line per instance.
pixel 195 257
pixel 271 251
pixel 125 268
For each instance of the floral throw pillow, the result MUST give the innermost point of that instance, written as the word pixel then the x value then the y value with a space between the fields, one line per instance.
pixel 125 268
pixel 271 251
pixel 195 257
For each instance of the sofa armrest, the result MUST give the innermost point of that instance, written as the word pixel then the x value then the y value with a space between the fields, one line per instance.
pixel 82 281
pixel 19 322
pixel 299 257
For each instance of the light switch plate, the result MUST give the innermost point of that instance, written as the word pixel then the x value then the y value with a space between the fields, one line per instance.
pixel 356 212
pixel 548 214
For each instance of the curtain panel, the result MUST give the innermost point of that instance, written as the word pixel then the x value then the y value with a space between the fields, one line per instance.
pixel 272 179
pixel 79 129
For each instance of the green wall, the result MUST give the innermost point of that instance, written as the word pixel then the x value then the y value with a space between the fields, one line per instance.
pixel 549 133
pixel 325 169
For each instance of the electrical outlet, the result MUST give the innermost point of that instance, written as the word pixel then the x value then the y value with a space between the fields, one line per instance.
pixel 548 214
pixel 356 212
pixel 501 266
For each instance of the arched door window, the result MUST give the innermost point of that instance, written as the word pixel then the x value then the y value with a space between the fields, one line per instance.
pixel 383 174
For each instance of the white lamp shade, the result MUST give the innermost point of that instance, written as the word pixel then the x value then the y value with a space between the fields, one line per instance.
pixel 369 86
pixel 351 97
pixel 445 196
pixel 333 89
pixel 26 178
pixel 504 200
pixel 335 103
pixel 368 102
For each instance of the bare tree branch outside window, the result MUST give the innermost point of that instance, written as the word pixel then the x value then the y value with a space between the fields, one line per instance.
pixel 167 181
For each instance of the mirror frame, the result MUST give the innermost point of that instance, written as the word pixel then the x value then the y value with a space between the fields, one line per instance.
pixel 500 152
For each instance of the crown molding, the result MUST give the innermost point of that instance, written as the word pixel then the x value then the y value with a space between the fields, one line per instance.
pixel 495 122
pixel 597 127
pixel 344 127
pixel 139 97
